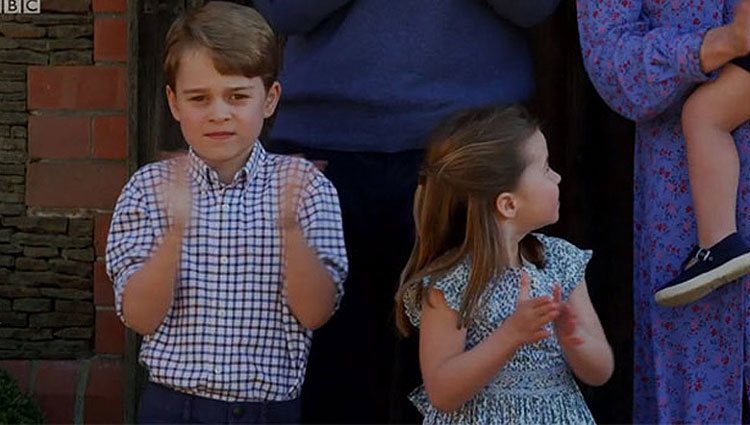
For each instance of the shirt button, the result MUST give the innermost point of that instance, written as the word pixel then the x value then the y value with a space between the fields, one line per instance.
pixel 217 369
pixel 222 313
pixel 225 207
pixel 224 260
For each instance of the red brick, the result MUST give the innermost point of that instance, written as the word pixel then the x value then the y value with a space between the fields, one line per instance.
pixel 77 87
pixel 55 389
pixel 111 137
pixel 74 184
pixel 101 230
pixel 110 39
pixel 103 295
pixel 110 6
pixel 59 137
pixel 19 370
pixel 104 402
pixel 109 333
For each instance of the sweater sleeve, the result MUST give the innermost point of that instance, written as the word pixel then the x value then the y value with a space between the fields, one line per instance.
pixel 639 70
pixel 297 16
pixel 524 13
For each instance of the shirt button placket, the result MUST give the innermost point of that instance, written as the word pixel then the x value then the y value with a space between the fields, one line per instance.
pixel 217 320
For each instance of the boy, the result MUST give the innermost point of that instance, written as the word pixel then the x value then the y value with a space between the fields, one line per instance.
pixel 227 258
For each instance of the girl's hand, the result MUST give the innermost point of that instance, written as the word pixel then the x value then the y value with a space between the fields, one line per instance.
pixel 527 322
pixel 566 323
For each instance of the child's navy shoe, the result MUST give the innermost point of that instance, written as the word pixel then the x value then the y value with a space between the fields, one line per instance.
pixel 705 270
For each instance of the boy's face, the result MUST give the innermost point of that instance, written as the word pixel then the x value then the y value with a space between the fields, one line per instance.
pixel 221 116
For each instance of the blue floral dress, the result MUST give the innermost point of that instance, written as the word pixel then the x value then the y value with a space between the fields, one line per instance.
pixel 643 57
pixel 536 386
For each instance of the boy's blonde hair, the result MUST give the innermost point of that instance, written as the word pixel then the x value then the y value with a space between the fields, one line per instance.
pixel 237 37
pixel 471 158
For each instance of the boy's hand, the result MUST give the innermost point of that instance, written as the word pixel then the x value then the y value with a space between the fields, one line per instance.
pixel 566 322
pixel 531 315
pixel 293 181
pixel 176 195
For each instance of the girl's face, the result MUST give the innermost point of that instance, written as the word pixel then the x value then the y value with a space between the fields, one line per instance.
pixel 537 195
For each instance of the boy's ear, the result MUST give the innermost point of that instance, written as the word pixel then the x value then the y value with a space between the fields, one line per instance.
pixel 172 100
pixel 506 205
pixel 272 99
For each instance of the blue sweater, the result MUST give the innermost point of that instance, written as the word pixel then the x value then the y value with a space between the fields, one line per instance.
pixel 377 75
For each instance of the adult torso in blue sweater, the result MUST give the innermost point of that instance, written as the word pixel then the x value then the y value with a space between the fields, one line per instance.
pixel 377 75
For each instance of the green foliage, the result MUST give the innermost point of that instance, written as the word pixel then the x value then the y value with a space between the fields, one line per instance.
pixel 16 407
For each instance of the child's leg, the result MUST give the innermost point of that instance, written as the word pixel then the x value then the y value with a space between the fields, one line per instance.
pixel 708 117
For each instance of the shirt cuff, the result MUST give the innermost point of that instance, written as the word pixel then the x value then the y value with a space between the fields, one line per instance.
pixel 688 56
pixel 119 287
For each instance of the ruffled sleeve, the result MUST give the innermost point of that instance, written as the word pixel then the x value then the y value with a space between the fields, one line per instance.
pixel 566 261
pixel 452 285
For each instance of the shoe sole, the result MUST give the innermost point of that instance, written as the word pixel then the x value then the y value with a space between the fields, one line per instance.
pixel 702 285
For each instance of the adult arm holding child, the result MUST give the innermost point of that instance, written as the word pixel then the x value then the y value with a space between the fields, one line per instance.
pixel 452 375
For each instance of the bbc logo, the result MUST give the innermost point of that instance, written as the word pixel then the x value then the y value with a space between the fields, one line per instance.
pixel 16 7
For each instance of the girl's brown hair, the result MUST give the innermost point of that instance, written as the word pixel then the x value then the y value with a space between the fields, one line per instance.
pixel 471 158
pixel 237 37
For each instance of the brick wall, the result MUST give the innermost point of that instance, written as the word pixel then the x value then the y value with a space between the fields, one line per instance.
pixel 63 161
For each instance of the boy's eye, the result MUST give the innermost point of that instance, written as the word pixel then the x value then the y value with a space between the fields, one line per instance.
pixel 239 96
pixel 197 98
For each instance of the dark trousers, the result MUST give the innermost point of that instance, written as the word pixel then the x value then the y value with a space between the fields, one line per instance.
pixel 162 405
pixel 359 370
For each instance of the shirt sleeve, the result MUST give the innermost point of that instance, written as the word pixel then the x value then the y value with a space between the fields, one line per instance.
pixel 639 70
pixel 320 219
pixel 293 17
pixel 131 238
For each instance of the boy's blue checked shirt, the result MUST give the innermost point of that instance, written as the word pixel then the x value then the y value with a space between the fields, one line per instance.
pixel 229 334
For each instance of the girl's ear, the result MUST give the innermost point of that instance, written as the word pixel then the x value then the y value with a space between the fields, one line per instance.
pixel 506 205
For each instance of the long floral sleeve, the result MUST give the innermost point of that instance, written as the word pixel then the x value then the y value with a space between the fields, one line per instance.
pixel 639 67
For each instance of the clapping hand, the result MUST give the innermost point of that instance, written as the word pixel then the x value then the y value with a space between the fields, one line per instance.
pixel 532 314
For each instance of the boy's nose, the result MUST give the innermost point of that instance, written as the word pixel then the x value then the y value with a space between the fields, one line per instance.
pixel 219 111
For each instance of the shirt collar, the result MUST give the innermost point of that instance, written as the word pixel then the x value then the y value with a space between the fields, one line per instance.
pixel 208 177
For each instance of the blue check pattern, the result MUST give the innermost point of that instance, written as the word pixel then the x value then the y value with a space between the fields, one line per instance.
pixel 229 334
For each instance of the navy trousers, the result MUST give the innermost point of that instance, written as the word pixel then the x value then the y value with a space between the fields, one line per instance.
pixel 162 405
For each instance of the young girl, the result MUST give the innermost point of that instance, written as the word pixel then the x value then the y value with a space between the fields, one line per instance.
pixel 504 315
pixel 709 116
